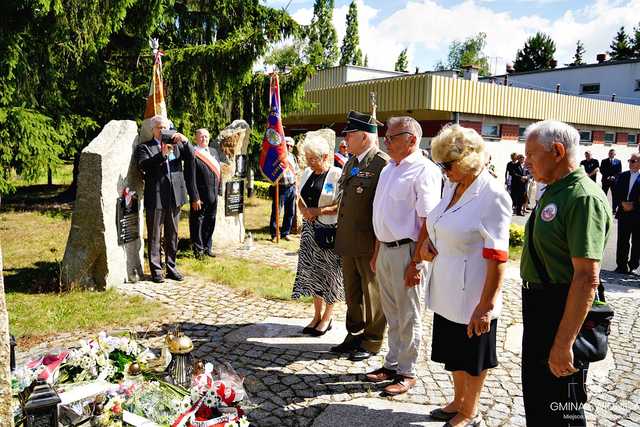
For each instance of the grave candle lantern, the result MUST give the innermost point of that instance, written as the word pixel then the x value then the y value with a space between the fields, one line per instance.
pixel 41 409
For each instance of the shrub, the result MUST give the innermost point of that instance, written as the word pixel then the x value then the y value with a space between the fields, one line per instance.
pixel 516 235
pixel 261 189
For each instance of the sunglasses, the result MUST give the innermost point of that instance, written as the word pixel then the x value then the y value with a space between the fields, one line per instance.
pixel 446 166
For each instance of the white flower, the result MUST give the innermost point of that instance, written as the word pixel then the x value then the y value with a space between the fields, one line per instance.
pixel 211 400
pixel 185 404
pixel 244 422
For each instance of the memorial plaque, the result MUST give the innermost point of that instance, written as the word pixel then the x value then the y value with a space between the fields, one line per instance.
pixel 128 221
pixel 234 198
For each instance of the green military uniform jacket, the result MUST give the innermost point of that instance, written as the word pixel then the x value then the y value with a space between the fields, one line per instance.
pixel 355 236
pixel 572 220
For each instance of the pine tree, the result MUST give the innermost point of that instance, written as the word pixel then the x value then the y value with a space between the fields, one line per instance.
pixel 322 48
pixel 577 57
pixel 366 61
pixel 402 63
pixel 350 51
pixel 635 42
pixel 620 48
pixel 536 54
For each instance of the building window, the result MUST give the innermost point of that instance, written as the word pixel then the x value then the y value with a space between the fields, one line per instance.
pixel 589 88
pixel 609 137
pixel 632 139
pixel 585 136
pixel 521 131
pixel 637 88
pixel 491 130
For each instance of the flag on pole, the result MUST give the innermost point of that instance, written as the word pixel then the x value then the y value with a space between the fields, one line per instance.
pixel 273 155
pixel 155 101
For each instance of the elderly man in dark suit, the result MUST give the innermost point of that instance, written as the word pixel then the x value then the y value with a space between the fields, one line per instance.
pixel 165 191
pixel 610 168
pixel 628 213
pixel 202 218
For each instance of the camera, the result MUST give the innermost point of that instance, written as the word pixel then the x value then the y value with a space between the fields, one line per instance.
pixel 166 136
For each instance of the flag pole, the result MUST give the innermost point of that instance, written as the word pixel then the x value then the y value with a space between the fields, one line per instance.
pixel 277 184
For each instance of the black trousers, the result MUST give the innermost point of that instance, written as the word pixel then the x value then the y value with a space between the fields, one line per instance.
pixel 159 220
pixel 610 185
pixel 202 223
pixel 548 400
pixel 628 230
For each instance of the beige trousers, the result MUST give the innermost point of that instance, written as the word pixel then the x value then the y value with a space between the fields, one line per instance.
pixel 402 308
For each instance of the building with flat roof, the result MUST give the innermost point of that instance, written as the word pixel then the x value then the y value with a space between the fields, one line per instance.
pixel 499 113
pixel 605 80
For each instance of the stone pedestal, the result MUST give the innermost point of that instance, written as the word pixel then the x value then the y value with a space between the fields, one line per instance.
pixel 232 141
pixel 5 375
pixel 93 257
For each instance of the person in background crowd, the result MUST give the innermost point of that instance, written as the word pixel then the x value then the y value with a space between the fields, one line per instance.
pixel 532 190
pixel 409 187
pixel 518 184
pixel 610 168
pixel 341 156
pixel 467 241
pixel 591 166
pixel 165 191
pixel 628 215
pixel 507 172
pixel 202 217
pixel 319 272
pixel 288 196
pixel 565 236
pixel 355 240
pixel 491 167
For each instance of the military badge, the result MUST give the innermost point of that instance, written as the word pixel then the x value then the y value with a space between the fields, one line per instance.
pixel 549 212
pixel 359 190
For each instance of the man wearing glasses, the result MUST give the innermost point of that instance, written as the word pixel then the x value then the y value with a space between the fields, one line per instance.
pixel 628 214
pixel 409 187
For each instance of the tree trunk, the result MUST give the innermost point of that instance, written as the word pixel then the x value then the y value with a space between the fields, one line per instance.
pixel 49 177
pixel 5 374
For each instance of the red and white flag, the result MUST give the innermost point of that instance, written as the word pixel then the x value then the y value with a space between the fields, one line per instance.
pixel 155 101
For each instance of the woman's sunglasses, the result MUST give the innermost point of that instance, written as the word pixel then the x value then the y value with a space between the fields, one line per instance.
pixel 446 166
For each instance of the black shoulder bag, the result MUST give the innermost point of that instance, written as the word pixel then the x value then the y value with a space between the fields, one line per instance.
pixel 592 341
pixel 324 235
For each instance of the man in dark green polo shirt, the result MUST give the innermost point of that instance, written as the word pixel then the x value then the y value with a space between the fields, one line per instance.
pixel 569 230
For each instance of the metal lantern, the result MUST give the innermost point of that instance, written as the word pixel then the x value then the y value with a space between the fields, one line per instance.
pixel 41 409
pixel 12 354
pixel 181 367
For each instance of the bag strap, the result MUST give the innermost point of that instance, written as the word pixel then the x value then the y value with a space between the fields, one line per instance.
pixel 542 272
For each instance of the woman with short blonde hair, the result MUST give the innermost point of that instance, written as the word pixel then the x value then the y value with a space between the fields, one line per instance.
pixel 468 242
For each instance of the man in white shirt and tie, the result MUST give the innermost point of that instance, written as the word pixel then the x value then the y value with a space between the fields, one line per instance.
pixel 409 187
pixel 627 192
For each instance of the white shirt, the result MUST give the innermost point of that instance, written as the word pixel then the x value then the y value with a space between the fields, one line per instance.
pixel 632 180
pixel 473 230
pixel 406 192
pixel 361 155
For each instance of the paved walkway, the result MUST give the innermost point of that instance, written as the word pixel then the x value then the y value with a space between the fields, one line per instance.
pixel 294 381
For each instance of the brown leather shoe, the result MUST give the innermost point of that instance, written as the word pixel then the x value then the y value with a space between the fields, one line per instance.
pixel 380 375
pixel 401 385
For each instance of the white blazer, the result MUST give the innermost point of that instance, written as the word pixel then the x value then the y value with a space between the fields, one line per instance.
pixel 329 195
pixel 476 228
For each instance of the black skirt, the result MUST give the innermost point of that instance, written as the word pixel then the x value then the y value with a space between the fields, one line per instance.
pixel 451 345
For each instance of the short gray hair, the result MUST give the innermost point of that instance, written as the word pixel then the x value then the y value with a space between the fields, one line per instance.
pixel 159 120
pixel 203 131
pixel 409 123
pixel 549 132
pixel 316 146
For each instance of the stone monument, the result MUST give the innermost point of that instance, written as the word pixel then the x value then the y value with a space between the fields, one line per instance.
pixel 232 142
pixel 105 245
pixel 5 374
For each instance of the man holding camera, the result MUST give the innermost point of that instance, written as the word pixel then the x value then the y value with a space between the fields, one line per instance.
pixel 161 162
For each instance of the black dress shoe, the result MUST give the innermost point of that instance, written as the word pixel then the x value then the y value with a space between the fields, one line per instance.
pixel 621 270
pixel 175 275
pixel 344 347
pixel 360 354
pixel 317 333
pixel 210 254
pixel 157 279
pixel 308 330
pixel 441 415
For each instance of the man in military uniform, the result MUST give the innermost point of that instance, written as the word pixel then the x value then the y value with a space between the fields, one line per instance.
pixel 560 268
pixel 355 239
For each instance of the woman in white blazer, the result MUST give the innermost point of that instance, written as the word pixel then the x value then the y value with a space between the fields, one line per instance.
pixel 468 245
pixel 319 272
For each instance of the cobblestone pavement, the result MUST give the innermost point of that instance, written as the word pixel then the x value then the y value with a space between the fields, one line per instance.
pixel 292 387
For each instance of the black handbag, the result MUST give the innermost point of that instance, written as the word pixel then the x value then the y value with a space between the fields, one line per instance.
pixel 592 341
pixel 324 235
